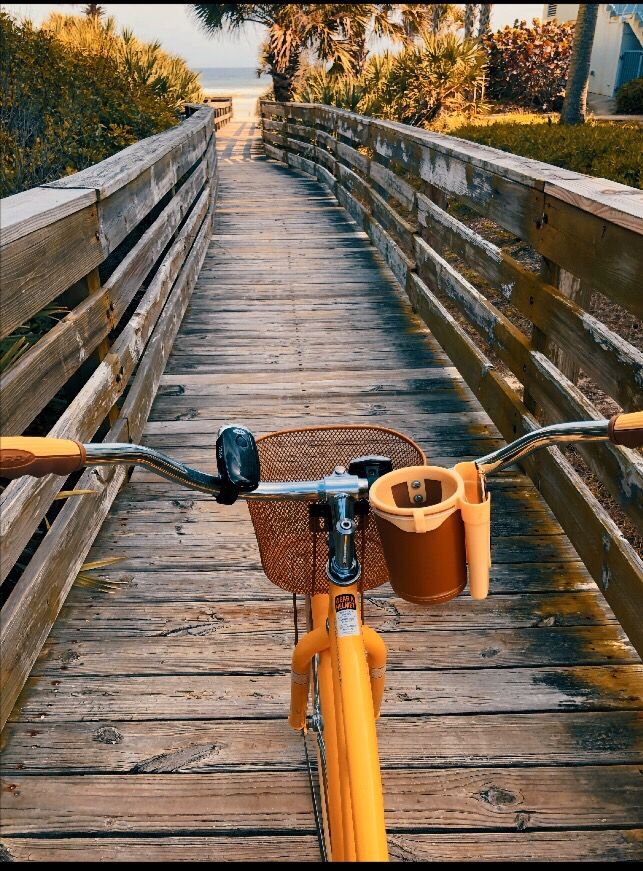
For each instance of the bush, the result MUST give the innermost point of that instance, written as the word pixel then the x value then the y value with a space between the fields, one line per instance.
pixel 64 106
pixel 528 64
pixel 441 73
pixel 629 98
pixel 608 149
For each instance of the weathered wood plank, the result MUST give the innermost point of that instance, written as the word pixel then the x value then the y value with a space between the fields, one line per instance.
pixel 278 801
pixel 234 651
pixel 25 501
pixel 29 385
pixel 453 799
pixel 405 742
pixel 37 267
pixel 221 848
pixel 453 691
pixel 566 845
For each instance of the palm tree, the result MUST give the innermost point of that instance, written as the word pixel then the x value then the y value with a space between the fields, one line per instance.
pixel 93 10
pixel 336 33
pixel 484 26
pixel 575 103
pixel 470 15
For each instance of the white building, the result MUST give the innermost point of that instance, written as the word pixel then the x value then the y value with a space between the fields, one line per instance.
pixel 617 55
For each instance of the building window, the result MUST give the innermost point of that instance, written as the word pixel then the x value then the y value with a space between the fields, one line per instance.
pixel 551 10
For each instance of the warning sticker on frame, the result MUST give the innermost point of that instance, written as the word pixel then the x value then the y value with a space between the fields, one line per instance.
pixel 346 615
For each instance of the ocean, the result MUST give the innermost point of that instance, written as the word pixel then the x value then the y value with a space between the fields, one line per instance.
pixel 233 81
pixel 240 83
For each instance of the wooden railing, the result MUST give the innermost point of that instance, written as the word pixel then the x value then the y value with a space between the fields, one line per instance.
pixel 406 188
pixel 222 107
pixel 120 244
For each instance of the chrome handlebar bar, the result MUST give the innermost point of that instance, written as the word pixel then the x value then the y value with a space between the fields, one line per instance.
pixel 307 491
pixel 324 489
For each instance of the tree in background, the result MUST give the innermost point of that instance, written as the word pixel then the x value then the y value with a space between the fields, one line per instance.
pixel 335 33
pixel 575 104
pixel 484 26
pixel 470 17
pixel 94 10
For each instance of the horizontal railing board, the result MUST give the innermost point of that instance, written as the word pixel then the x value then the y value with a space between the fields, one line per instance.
pixel 117 171
pixel 24 501
pixel 43 587
pixel 39 207
pixel 611 361
pixel 38 375
pixel 498 184
pixel 37 267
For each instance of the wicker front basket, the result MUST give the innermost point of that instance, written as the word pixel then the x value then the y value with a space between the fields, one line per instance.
pixel 293 554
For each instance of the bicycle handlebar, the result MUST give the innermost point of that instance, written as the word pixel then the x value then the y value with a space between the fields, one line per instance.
pixel 44 456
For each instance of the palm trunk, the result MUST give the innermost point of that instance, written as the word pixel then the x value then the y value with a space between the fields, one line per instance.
pixel 485 19
pixel 575 104
pixel 470 16
pixel 283 79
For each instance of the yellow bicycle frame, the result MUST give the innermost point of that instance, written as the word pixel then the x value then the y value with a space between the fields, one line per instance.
pixel 352 659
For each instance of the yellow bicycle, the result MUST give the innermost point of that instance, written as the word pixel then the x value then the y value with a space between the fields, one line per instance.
pixel 361 519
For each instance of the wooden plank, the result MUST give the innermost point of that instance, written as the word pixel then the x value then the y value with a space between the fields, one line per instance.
pixel 211 745
pixel 185 653
pixel 129 619
pixel 222 848
pixel 37 267
pixel 130 183
pixel 40 373
pixel 31 210
pixel 275 802
pixel 566 845
pixel 453 691
pixel 31 611
pixel 440 800
pixel 25 500
pixel 608 359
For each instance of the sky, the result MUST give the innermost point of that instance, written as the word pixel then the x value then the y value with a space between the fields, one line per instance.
pixel 172 24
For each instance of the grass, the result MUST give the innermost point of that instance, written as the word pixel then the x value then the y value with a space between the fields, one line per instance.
pixel 607 149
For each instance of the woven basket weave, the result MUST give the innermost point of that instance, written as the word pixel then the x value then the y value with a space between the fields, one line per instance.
pixel 292 544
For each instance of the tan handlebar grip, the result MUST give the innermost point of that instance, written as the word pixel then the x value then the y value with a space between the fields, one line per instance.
pixel 627 429
pixel 23 455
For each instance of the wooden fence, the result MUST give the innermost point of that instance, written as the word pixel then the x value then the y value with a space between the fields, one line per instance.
pixel 120 244
pixel 222 107
pixel 406 188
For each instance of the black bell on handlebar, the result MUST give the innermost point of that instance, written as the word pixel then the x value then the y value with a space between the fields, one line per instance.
pixel 237 462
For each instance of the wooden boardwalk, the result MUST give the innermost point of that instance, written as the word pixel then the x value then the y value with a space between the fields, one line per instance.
pixel 154 723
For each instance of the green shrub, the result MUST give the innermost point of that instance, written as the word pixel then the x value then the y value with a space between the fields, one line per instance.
pixel 64 106
pixel 629 98
pixel 528 64
pixel 608 149
pixel 441 73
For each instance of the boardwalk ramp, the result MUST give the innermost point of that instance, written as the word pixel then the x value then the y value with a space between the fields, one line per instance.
pixel 153 723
